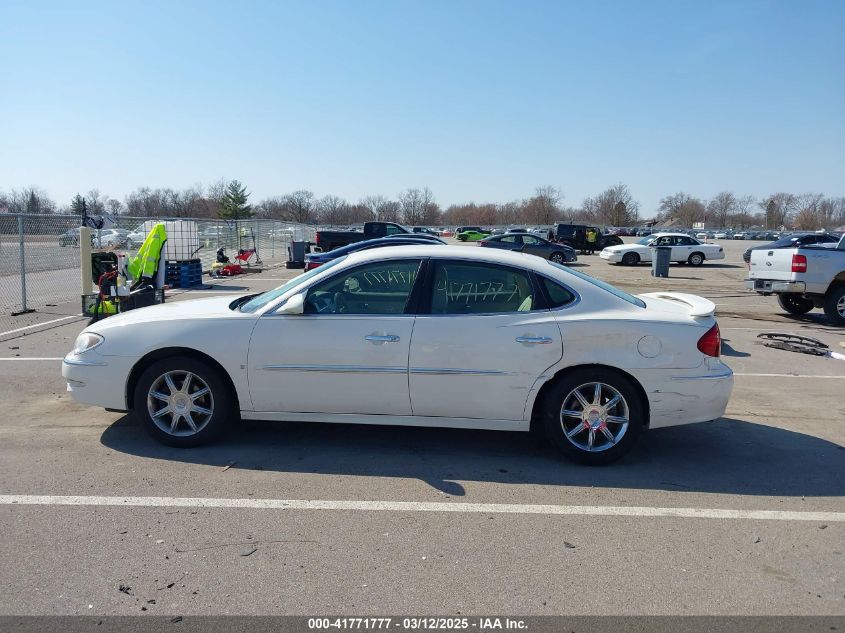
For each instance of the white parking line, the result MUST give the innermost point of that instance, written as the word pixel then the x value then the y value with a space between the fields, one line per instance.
pixel 422 506
pixel 19 358
pixel 35 325
pixel 788 376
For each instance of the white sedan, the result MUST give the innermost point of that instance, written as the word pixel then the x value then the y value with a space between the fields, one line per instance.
pixel 685 249
pixel 416 335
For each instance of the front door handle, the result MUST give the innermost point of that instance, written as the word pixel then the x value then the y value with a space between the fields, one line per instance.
pixel 534 340
pixel 381 338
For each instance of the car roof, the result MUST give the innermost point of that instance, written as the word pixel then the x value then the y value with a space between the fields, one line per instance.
pixel 668 235
pixel 436 251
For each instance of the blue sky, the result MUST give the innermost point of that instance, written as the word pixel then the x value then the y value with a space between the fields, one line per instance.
pixel 477 100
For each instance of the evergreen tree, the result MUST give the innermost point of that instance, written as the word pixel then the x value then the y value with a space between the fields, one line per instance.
pixel 233 205
pixel 77 205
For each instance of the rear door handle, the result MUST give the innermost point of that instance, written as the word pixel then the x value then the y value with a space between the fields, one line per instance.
pixel 381 338
pixel 534 340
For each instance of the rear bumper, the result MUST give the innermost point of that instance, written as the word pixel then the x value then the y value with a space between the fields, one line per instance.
pixel 699 396
pixel 776 286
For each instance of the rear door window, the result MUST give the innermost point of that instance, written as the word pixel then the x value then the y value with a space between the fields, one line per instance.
pixel 479 288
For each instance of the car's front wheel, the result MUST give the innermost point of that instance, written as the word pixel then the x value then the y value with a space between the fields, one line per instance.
pixel 593 416
pixel 182 401
pixel 557 258
pixel 795 304
pixel 630 259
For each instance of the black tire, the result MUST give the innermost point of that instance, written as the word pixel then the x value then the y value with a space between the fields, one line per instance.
pixel 557 257
pixel 795 303
pixel 560 394
pixel 695 259
pixel 630 259
pixel 834 305
pixel 220 398
pixel 462 238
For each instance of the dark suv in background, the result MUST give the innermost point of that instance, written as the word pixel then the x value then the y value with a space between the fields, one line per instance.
pixel 575 235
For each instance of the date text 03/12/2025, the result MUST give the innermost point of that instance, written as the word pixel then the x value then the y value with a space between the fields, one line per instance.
pixel 417 623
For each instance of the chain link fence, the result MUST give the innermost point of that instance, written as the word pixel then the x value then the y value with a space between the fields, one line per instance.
pixel 40 255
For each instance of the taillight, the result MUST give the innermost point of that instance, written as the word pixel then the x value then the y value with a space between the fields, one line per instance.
pixel 711 343
pixel 311 265
pixel 318 238
pixel 799 263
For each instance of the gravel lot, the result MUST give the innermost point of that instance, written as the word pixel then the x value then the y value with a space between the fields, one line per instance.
pixel 779 448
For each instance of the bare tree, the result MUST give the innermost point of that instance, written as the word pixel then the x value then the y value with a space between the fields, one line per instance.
pixel 615 206
pixel 779 209
pixel 330 210
pixel 722 205
pixel 542 207
pixel 418 207
pixel 299 206
pixel 27 200
pixel 681 207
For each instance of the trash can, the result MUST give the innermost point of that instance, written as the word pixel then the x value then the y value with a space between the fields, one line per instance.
pixel 660 258
pixel 296 255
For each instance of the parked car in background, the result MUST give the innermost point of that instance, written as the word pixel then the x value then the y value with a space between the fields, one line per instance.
pixel 803 278
pixel 720 235
pixel 685 250
pixel 408 333
pixel 109 238
pixel 423 237
pixel 575 236
pixel 533 245
pixel 425 230
pixel 70 238
pixel 739 235
pixel 330 240
pixel 792 241
pixel 313 260
pixel 471 235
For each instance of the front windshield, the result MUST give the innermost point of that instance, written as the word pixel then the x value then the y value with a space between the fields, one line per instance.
pixel 264 298
pixel 646 240
pixel 604 286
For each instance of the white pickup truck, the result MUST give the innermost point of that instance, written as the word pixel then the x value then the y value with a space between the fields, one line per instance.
pixel 802 278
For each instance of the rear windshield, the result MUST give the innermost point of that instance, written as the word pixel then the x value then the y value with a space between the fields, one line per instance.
pixel 604 286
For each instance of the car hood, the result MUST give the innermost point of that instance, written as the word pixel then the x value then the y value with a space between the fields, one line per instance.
pixel 213 307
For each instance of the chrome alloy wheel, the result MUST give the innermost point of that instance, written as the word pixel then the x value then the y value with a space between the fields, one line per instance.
pixel 594 416
pixel 180 403
pixel 840 306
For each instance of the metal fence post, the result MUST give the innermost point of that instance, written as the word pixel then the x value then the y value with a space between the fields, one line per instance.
pixel 22 265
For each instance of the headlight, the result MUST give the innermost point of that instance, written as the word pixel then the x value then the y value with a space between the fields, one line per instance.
pixel 86 341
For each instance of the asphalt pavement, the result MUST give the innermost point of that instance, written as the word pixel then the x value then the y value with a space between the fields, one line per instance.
pixel 744 515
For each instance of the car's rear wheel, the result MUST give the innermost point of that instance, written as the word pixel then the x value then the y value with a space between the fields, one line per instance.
pixel 558 258
pixel 462 238
pixel 795 304
pixel 695 259
pixel 630 259
pixel 182 401
pixel 593 416
pixel 834 305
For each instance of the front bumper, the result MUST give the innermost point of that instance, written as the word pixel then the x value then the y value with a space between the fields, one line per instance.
pixel 97 380
pixel 611 256
pixel 775 286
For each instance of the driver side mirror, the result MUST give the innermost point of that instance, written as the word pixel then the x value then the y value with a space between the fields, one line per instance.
pixel 294 305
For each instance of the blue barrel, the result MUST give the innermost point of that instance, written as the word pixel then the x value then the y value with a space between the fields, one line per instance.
pixel 661 256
